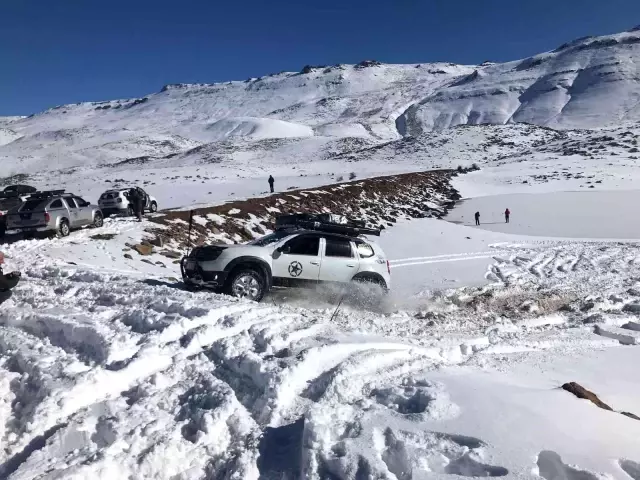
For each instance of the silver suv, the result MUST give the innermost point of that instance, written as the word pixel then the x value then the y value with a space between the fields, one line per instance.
pixel 54 211
pixel 305 250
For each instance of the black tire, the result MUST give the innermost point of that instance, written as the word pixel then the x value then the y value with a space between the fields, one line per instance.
pixel 98 220
pixel 246 282
pixel 153 208
pixel 63 229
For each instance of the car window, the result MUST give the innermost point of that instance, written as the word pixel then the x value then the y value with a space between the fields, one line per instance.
pixel 56 204
pixel 269 239
pixel 303 245
pixel 30 205
pixel 80 202
pixel 71 202
pixel 365 250
pixel 338 247
pixel 9 203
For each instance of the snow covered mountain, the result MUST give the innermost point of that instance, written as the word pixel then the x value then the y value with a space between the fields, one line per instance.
pixel 306 123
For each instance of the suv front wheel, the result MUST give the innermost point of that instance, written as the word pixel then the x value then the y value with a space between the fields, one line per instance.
pixel 246 283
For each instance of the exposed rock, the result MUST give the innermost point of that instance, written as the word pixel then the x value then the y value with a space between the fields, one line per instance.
pixel 157 241
pixel 631 307
pixel 146 260
pixel 171 254
pixel 126 255
pixel 630 415
pixel 103 236
pixel 581 392
pixel 160 264
pixel 143 249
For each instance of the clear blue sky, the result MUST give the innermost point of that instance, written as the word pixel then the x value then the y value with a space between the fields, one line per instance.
pixel 65 51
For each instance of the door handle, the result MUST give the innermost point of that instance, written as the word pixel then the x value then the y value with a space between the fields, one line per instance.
pixel 350 265
pixel 314 263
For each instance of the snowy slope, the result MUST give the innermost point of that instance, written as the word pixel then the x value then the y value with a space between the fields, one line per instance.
pixel 235 128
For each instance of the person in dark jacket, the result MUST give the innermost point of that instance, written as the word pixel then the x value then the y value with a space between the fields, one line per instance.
pixel 271 182
pixel 7 282
pixel 136 202
pixel 477 215
pixel 507 214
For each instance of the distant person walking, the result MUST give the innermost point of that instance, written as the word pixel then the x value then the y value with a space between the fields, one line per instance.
pixel 477 215
pixel 507 213
pixel 271 182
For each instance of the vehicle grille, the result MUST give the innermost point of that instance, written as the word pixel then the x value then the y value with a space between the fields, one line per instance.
pixel 207 253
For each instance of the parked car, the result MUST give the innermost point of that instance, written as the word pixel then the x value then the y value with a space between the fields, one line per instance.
pixel 117 202
pixel 305 250
pixel 10 201
pixel 54 211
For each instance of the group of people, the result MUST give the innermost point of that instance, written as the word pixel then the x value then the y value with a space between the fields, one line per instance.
pixel 507 214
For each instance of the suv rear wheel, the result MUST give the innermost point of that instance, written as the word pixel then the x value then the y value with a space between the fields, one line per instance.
pixel 246 283
pixel 98 221
pixel 63 229
pixel 154 207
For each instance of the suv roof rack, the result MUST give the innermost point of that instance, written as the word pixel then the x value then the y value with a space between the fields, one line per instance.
pixel 12 194
pixel 325 222
pixel 48 193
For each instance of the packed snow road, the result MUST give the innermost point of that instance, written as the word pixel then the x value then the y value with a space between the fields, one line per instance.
pixel 107 370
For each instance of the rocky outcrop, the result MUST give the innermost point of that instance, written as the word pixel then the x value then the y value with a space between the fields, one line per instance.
pixel 380 201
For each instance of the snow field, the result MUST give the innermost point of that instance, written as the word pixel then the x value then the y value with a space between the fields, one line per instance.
pixel 109 370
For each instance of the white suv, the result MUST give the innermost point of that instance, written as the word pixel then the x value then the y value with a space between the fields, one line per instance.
pixel 117 202
pixel 292 256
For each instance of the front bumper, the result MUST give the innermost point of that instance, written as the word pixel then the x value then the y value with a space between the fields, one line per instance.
pixel 193 274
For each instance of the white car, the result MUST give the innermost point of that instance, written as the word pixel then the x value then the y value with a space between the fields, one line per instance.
pixel 302 252
pixel 117 202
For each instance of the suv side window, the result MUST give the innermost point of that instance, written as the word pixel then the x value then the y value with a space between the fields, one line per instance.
pixel 71 202
pixel 338 247
pixel 302 245
pixel 365 250
pixel 56 204
pixel 80 202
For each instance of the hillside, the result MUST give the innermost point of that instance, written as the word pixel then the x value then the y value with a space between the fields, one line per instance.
pixel 307 127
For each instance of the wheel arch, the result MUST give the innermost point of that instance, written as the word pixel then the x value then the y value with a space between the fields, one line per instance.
pixel 370 276
pixel 250 262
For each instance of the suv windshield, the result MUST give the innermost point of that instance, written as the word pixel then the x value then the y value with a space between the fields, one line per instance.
pixel 269 239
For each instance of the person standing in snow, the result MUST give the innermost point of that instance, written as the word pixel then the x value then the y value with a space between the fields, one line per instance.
pixel 477 215
pixel 271 182
pixel 136 202
pixel 7 282
pixel 507 213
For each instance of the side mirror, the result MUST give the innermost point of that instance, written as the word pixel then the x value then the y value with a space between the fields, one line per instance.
pixel 276 254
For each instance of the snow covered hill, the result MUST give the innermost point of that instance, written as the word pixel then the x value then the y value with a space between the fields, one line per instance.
pixel 308 123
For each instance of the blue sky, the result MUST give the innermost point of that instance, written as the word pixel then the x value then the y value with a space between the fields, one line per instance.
pixel 66 51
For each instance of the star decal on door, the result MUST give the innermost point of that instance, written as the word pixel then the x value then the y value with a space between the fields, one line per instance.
pixel 295 269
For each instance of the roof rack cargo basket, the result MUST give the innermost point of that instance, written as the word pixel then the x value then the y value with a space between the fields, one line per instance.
pixel 325 222
pixel 47 193
pixel 10 194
